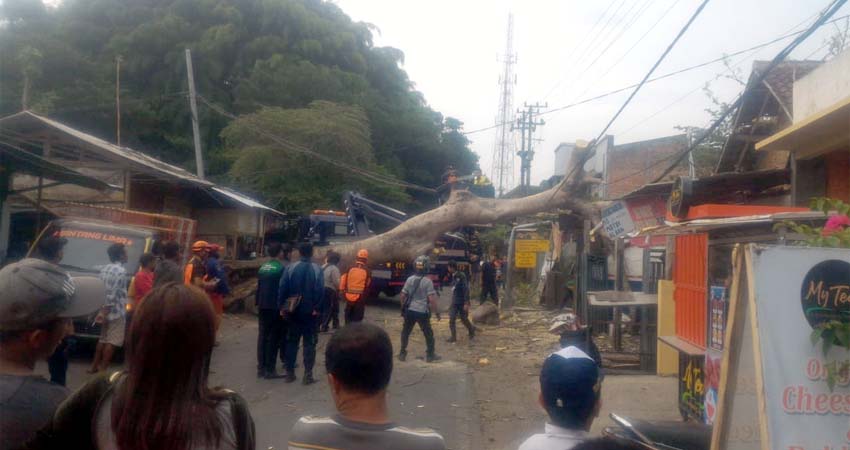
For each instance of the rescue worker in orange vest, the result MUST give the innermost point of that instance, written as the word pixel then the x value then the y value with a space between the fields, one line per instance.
pixel 195 271
pixel 353 286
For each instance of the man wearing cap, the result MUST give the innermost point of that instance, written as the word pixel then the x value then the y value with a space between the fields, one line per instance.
pixel 570 393
pixel 37 301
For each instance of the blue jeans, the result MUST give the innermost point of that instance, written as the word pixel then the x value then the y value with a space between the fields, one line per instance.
pixel 298 332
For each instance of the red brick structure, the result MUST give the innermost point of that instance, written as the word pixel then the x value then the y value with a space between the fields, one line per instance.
pixel 630 166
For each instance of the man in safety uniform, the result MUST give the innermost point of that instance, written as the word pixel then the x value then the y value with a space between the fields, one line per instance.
pixel 196 269
pixel 353 286
pixel 418 300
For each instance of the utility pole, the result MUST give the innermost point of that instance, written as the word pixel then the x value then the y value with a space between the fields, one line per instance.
pixel 692 171
pixel 118 100
pixel 503 158
pixel 196 133
pixel 527 124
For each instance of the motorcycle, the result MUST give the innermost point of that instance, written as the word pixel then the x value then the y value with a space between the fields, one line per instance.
pixel 671 435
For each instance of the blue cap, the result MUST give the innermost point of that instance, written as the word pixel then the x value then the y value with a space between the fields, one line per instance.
pixel 570 384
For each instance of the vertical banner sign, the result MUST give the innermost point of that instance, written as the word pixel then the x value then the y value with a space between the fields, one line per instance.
pixel 712 383
pixel 796 291
pixel 691 386
pixel 717 317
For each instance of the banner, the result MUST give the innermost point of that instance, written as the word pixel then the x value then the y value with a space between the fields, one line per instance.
pixel 797 289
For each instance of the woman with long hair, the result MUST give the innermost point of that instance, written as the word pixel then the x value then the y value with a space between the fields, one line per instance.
pixel 162 401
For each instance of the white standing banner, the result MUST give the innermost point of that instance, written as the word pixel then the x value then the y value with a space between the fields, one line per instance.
pixel 774 393
pixel 795 290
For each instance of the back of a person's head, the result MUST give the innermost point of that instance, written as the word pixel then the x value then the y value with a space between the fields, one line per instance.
pixel 171 250
pixel 305 249
pixel 50 247
pixel 607 444
pixel 115 252
pixel 146 259
pixel 168 343
pixel 286 248
pixel 333 257
pixel 360 358
pixel 274 250
pixel 570 387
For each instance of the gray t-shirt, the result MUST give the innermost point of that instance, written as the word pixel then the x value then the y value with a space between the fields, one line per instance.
pixel 339 433
pixel 419 300
pixel 331 274
pixel 167 271
pixel 105 438
pixel 27 403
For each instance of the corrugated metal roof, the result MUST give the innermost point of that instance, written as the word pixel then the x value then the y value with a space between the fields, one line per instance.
pixel 691 226
pixel 144 162
pixel 36 165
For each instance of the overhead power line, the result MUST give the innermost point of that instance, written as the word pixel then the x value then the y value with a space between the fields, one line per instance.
pixel 374 176
pixel 824 16
pixel 661 77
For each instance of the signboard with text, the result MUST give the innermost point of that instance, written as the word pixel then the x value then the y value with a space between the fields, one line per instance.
pixel 771 367
pixel 616 220
pixel 531 245
pixel 525 260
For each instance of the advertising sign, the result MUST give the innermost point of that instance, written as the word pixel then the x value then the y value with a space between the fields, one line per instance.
pixel 796 289
pixel 531 245
pixel 525 260
pixel 771 369
pixel 717 318
pixel 616 220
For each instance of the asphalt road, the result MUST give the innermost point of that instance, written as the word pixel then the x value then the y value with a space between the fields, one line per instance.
pixel 439 396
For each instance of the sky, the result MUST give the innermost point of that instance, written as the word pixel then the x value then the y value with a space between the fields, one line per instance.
pixel 568 50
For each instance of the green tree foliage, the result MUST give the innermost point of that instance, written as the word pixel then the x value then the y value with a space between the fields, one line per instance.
pixel 248 55
pixel 296 181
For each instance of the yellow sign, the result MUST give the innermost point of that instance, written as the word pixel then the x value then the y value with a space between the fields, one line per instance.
pixel 525 260
pixel 531 245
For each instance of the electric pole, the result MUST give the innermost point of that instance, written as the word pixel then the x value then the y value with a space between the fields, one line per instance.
pixel 527 124
pixel 118 100
pixel 196 133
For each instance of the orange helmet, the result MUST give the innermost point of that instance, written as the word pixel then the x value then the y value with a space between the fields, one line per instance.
pixel 363 254
pixel 200 245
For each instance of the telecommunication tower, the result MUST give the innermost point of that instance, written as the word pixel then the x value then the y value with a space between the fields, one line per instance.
pixel 503 151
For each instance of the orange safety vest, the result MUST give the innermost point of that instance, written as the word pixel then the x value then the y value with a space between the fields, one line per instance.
pixel 354 283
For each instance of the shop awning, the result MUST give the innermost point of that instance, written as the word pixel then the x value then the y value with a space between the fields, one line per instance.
pixel 821 133
pixel 17 159
pixel 701 225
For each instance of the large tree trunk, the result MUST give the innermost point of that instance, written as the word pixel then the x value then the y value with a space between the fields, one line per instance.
pixel 416 236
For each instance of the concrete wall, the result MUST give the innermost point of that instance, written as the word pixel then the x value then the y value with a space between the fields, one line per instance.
pixel 623 172
pixel 823 87
pixel 562 158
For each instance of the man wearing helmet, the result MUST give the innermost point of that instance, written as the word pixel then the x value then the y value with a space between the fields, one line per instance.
pixel 353 285
pixel 418 299
pixel 196 269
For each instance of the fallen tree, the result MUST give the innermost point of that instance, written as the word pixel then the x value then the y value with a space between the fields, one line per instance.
pixel 416 236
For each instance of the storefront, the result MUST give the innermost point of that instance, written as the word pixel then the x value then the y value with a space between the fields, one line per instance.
pixel 692 306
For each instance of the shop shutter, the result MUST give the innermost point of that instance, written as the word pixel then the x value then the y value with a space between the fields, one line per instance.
pixel 691 279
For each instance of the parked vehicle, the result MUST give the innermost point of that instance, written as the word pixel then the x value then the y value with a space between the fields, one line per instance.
pixel 85 253
pixel 660 435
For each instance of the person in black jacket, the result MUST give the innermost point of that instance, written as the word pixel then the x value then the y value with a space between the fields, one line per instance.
pixel 488 282
pixel 271 336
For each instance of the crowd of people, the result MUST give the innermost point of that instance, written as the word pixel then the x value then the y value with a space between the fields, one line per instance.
pixel 162 400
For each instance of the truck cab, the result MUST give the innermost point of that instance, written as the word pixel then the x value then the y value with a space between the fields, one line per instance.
pixel 85 253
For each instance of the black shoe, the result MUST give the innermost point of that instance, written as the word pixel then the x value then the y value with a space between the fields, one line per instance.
pixel 433 357
pixel 324 329
pixel 289 377
pixel 308 379
pixel 273 375
pixel 451 340
pixel 402 356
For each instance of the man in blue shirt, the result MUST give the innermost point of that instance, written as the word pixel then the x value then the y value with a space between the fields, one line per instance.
pixel 300 302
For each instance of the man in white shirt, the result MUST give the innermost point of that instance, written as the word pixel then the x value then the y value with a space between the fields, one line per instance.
pixel 570 393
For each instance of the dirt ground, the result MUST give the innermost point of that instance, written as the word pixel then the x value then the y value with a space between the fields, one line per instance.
pixel 504 362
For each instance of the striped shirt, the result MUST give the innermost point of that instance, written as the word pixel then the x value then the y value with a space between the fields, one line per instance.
pixel 338 433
